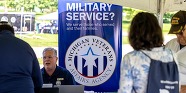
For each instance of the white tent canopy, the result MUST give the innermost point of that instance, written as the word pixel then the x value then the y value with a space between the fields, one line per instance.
pixel 148 5
pixel 158 7
pixel 51 16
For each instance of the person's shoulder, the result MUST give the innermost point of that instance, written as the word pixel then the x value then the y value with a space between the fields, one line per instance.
pixel 62 69
pixel 174 40
pixel 172 43
pixel 23 43
pixel 133 53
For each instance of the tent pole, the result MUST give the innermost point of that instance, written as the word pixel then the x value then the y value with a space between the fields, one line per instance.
pixel 160 12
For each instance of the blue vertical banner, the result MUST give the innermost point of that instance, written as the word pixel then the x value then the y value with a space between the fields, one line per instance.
pixel 90 43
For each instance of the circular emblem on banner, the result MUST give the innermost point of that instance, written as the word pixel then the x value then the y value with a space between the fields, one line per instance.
pixel 13 19
pixel 91 60
pixel 4 18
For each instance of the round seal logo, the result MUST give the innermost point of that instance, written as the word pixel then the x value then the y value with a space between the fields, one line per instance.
pixel 13 19
pixel 91 60
pixel 4 18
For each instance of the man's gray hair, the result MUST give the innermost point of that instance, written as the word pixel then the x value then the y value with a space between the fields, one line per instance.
pixel 50 49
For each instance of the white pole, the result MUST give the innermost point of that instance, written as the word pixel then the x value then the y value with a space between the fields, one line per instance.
pixel 161 13
pixel 21 27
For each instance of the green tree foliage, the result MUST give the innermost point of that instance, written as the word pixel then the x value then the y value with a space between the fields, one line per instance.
pixel 52 5
pixel 47 4
pixel 29 5
pixel 130 13
pixel 167 17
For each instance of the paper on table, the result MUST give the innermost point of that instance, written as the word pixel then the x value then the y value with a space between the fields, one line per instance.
pixel 47 86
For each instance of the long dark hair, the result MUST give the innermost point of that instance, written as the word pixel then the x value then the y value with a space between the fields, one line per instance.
pixel 145 32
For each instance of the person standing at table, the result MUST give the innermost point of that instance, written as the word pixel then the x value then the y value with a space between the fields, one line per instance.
pixel 178 27
pixel 19 69
pixel 141 68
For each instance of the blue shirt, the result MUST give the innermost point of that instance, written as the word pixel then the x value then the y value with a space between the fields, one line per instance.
pixel 61 76
pixel 135 68
pixel 19 69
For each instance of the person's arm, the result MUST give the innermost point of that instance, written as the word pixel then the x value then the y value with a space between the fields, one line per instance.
pixel 126 82
pixel 36 76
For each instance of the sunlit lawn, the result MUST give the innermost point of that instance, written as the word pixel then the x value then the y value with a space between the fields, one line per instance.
pixel 43 40
pixel 40 60
pixel 40 40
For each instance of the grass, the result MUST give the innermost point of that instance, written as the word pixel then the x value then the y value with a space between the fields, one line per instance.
pixel 40 40
pixel 40 60
pixel 166 28
pixel 125 40
pixel 43 40
pixel 51 40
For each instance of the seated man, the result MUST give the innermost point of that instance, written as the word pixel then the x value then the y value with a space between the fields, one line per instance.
pixel 51 72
